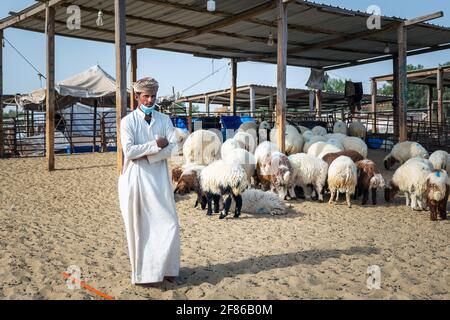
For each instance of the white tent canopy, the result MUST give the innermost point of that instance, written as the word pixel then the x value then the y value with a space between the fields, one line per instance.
pixel 90 84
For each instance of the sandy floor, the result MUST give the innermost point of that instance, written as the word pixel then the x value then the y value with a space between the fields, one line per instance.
pixel 50 221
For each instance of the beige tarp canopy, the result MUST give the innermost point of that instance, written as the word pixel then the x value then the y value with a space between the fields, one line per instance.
pixel 85 87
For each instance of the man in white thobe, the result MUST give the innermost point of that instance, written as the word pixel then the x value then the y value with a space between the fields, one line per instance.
pixel 145 191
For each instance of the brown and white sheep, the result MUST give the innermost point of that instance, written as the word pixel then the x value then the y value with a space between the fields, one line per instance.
pixel 354 155
pixel 369 179
pixel 437 192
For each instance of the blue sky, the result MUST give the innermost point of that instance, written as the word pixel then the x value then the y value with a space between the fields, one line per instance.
pixel 183 70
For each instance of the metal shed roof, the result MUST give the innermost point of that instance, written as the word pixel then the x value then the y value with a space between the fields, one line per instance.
pixel 422 76
pixel 319 35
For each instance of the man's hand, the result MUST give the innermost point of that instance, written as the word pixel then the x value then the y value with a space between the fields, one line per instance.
pixel 161 142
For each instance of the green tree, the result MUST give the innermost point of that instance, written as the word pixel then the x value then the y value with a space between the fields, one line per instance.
pixel 334 85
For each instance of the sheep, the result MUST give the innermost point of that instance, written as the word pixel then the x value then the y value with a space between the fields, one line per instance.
pixel 320 149
pixel 410 178
pixel 189 179
pixel 265 149
pixel 307 135
pixel 403 151
pixel 251 128
pixel 275 171
pixel 354 155
pixel 246 140
pixel 293 139
pixel 437 193
pixel 263 131
pixel 308 170
pixel 357 129
pixel 342 177
pixel 440 160
pixel 181 136
pixel 303 129
pixel 340 127
pixel 201 147
pixel 356 144
pixel 243 158
pixel 177 171
pixel 337 136
pixel 259 202
pixel 228 146
pixel 369 179
pixel 336 143
pixel 311 141
pixel 218 179
pixel 319 131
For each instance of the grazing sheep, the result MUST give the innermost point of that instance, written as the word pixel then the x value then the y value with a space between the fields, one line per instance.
pixel 342 177
pixel 308 170
pixel 440 160
pixel 357 129
pixel 259 202
pixel 219 179
pixel 250 128
pixel 243 158
pixel 320 149
pixel 410 178
pixel 403 151
pixel 246 140
pixel 264 150
pixel 369 179
pixel 340 127
pixel 189 179
pixel 228 146
pixel 176 173
pixel 275 171
pixel 354 155
pixel 311 141
pixel 263 131
pixel 293 139
pixel 319 131
pixel 202 147
pixel 437 192
pixel 356 144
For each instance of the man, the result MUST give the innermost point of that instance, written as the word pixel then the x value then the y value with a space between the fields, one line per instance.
pixel 145 191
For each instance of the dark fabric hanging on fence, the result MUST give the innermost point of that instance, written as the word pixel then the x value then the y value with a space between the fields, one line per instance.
pixel 354 95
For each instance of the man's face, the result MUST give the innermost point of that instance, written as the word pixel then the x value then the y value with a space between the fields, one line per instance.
pixel 148 99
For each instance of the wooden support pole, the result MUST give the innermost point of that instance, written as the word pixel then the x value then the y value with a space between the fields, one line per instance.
pixel 103 133
pixel 50 88
pixel 32 123
pixel 2 146
pixel 207 105
pixel 133 76
pixel 233 86
pixel 190 117
pixel 440 96
pixel 430 104
pixel 395 95
pixel 94 138
pixel 374 106
pixel 121 73
pixel 271 106
pixel 281 73
pixel 252 101
pixel 402 83
pixel 318 103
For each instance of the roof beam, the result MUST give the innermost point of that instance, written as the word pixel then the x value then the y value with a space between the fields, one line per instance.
pixel 29 12
pixel 212 26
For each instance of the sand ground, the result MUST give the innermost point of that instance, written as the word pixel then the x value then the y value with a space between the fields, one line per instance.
pixel 50 221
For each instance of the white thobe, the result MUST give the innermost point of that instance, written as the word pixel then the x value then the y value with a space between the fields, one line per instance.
pixel 146 198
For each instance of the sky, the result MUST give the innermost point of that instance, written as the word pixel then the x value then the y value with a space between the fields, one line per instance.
pixel 181 71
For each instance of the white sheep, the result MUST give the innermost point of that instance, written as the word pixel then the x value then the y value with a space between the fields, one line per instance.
pixel 319 149
pixel 228 146
pixel 340 127
pixel 308 170
pixel 337 136
pixel 403 151
pixel 219 179
pixel 335 142
pixel 437 193
pixel 246 140
pixel 259 202
pixel 263 131
pixel 273 170
pixel 440 160
pixel 303 129
pixel 342 177
pixel 202 147
pixel 243 158
pixel 250 128
pixel 181 136
pixel 307 135
pixel 355 144
pixel 410 178
pixel 264 150
pixel 357 129
pixel 311 141
pixel 319 131
pixel 293 139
